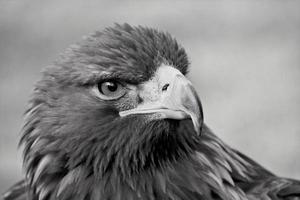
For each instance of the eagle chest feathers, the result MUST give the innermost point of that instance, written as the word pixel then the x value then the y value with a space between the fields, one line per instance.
pixel 195 176
pixel 115 118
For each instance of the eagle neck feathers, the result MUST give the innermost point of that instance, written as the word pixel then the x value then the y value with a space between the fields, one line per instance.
pixel 205 167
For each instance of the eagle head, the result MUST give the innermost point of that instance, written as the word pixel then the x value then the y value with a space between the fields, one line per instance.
pixel 114 105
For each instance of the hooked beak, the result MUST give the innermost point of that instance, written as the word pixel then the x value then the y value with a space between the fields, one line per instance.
pixel 170 95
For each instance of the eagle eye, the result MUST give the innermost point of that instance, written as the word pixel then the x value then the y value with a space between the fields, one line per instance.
pixel 110 90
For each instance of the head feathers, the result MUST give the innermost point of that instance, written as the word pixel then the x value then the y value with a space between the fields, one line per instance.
pixel 78 147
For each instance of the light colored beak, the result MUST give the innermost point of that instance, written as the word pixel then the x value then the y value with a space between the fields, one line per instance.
pixel 172 96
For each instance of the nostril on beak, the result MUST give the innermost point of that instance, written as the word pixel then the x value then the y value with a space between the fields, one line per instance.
pixel 165 87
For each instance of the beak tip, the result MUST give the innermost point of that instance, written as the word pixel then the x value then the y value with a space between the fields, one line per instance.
pixel 198 131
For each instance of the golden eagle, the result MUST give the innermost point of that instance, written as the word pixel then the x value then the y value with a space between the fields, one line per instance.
pixel 115 118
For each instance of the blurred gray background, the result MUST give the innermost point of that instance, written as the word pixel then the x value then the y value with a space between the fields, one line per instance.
pixel 245 58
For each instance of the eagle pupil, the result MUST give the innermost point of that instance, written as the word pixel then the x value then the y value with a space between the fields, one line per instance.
pixel 112 87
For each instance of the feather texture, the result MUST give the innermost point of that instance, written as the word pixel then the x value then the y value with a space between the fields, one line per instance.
pixel 78 147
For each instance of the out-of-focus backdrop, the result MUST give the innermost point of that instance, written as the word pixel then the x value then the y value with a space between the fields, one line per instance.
pixel 245 64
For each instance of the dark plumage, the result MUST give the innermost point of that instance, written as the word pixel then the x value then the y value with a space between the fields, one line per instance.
pixel 89 131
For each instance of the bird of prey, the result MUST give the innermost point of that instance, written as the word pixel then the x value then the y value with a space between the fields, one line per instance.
pixel 115 118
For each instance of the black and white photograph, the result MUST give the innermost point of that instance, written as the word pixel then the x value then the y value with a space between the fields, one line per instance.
pixel 149 100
